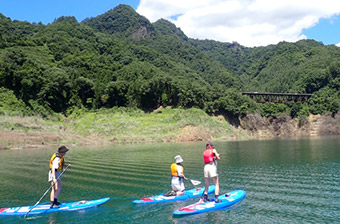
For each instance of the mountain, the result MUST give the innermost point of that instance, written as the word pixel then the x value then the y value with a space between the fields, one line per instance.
pixel 120 59
pixel 122 20
pixel 167 28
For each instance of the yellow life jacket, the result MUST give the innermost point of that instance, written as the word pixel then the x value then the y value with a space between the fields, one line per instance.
pixel 174 169
pixel 61 161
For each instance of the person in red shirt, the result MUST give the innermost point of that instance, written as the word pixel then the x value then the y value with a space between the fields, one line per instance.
pixel 211 156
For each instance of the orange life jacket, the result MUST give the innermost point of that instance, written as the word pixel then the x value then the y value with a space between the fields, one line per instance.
pixel 174 169
pixel 208 155
pixel 61 161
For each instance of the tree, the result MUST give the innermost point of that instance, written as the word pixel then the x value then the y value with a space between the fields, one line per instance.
pixel 85 90
pixel 57 91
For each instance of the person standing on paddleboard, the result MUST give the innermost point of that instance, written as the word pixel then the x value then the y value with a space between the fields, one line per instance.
pixel 211 156
pixel 56 167
pixel 177 173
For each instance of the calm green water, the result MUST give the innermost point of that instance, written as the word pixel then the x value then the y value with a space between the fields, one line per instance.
pixel 287 181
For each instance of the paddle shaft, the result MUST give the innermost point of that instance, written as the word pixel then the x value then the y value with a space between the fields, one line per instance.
pixel 47 191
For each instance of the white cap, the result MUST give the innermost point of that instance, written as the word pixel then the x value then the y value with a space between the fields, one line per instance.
pixel 178 159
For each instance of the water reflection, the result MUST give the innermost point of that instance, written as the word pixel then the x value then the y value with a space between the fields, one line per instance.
pixel 52 219
pixel 286 180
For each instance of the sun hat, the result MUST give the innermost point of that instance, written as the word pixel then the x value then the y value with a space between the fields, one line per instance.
pixel 62 149
pixel 178 159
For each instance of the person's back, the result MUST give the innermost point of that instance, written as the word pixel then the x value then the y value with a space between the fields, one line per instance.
pixel 210 156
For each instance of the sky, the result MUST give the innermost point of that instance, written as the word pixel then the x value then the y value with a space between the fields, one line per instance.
pixel 250 23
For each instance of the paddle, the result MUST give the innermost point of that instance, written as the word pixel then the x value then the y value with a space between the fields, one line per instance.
pixel 47 190
pixel 194 182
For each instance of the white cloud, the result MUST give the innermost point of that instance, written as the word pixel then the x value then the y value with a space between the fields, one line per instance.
pixel 248 22
pixel 338 45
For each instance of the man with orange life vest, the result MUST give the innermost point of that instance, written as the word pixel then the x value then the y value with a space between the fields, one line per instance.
pixel 177 173
pixel 210 156
pixel 56 167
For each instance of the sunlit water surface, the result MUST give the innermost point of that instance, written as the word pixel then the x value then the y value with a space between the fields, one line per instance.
pixel 286 180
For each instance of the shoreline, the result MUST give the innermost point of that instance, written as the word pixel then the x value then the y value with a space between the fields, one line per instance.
pixel 46 145
pixel 100 129
pixel 26 142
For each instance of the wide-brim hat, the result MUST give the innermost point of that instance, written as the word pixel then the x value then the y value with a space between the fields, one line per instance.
pixel 62 149
pixel 178 159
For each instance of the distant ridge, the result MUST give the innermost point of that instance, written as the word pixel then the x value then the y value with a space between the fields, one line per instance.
pixel 122 20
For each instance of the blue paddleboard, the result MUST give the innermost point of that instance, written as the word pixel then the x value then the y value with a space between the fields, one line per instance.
pixel 196 192
pixel 201 206
pixel 40 209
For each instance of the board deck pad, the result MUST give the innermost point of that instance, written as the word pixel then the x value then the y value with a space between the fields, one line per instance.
pixel 196 192
pixel 40 209
pixel 201 206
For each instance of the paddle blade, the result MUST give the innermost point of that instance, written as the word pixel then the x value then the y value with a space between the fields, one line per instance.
pixel 195 182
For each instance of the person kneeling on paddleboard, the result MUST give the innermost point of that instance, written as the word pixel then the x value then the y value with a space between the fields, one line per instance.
pixel 210 156
pixel 56 167
pixel 177 173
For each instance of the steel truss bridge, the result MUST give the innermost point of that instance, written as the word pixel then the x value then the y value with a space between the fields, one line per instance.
pixel 277 97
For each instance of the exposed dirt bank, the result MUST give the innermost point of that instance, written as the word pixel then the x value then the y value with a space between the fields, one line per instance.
pixel 38 139
pixel 251 126
pixel 284 126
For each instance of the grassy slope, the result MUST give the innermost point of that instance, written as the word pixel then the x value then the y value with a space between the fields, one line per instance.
pixel 124 126
pixel 116 126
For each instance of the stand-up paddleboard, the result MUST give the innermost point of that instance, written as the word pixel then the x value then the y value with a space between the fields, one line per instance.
pixel 196 192
pixel 40 209
pixel 201 206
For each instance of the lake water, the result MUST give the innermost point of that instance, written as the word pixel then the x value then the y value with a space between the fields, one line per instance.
pixel 286 180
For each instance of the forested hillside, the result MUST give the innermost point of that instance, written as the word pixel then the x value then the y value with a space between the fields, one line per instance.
pixel 120 59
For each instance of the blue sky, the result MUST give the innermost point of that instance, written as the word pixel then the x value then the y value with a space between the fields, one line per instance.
pixel 248 22
pixel 327 31
pixel 46 11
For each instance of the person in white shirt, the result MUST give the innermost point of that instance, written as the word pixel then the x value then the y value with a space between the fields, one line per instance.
pixel 177 173
pixel 56 167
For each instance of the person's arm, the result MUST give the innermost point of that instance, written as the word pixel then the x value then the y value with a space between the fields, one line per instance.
pixel 54 180
pixel 55 165
pixel 64 164
pixel 216 154
pixel 181 173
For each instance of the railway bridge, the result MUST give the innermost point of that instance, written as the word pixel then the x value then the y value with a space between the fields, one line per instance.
pixel 278 97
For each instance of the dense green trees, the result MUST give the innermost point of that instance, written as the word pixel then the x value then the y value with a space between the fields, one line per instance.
pixel 120 59
pixel 10 103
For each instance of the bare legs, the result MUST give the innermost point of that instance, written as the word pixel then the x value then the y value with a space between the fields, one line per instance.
pixel 216 183
pixel 55 190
